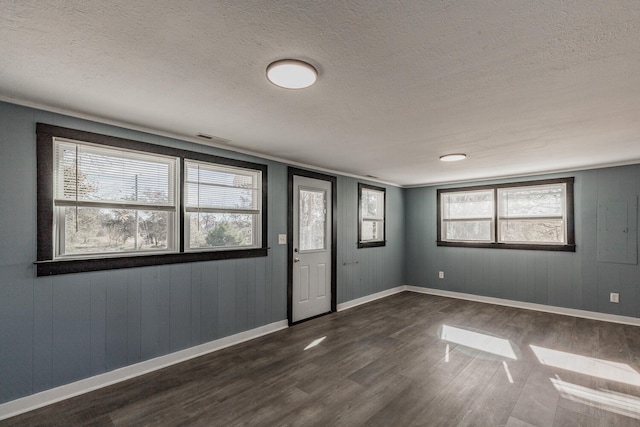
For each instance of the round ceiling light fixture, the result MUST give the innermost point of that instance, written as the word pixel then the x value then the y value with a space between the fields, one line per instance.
pixel 456 157
pixel 291 74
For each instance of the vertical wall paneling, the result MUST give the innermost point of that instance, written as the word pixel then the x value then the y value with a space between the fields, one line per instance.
pixel 260 316
pixel 134 318
pixel 180 313
pixel 150 313
pixel 365 271
pixel 116 334
pixel 209 302
pixel 98 322
pixel 226 298
pixel 251 294
pixel 164 297
pixel 42 335
pixel 195 305
pixel 71 320
pixel 586 208
pixel 242 294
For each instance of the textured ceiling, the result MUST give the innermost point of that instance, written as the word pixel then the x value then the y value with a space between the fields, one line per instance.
pixel 520 86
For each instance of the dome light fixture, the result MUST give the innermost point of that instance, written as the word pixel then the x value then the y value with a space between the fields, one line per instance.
pixel 291 74
pixel 455 157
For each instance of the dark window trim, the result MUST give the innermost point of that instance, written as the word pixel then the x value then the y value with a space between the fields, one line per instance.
pixel 46 265
pixel 382 242
pixel 570 246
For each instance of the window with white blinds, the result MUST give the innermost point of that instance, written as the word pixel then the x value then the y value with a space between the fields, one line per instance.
pixel 106 203
pixel 112 201
pixel 223 206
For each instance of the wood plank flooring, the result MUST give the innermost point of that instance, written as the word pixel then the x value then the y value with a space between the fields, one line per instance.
pixel 384 364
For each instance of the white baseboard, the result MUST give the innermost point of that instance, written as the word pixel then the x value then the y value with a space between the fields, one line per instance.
pixel 47 397
pixel 369 298
pixel 614 318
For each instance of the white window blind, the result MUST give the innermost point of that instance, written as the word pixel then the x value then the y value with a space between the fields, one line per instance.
pixel 109 200
pixel 223 206
pixel 87 174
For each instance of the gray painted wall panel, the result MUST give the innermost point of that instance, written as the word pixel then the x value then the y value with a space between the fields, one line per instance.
pixel 116 334
pixel 196 308
pixel 134 316
pixel 365 271
pixel 16 333
pixel 164 294
pixel 260 317
pixel 149 314
pixel 42 335
pixel 98 323
pixel 209 302
pixel 226 298
pixel 71 321
pixel 242 294
pixel 251 294
pixel 180 313
pixel 572 280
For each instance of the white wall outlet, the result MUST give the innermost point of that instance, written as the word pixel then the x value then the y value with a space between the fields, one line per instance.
pixel 282 239
pixel 441 274
pixel 614 297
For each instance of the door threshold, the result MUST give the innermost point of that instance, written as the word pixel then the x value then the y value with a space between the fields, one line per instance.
pixel 310 318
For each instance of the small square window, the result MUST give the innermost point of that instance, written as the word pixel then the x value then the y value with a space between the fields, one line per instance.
pixel 371 216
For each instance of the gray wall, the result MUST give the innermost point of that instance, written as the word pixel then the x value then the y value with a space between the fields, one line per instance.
pixel 56 330
pixel 368 270
pixel 564 279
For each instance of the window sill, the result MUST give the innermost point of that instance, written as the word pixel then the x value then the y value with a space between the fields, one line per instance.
pixel 67 266
pixel 521 246
pixel 371 244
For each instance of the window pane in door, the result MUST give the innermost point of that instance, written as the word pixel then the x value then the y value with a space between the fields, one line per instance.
pixel 312 220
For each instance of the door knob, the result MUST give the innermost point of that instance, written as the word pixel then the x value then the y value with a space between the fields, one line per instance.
pixel 296 260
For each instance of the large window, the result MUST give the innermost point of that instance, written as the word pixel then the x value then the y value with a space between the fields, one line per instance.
pixel 106 203
pixel 371 218
pixel 527 215
pixel 112 201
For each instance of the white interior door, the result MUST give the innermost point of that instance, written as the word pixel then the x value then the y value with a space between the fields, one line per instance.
pixel 311 293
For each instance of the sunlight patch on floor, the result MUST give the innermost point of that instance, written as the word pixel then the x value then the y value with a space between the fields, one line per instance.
pixel 605 369
pixel 607 400
pixel 478 341
pixel 315 343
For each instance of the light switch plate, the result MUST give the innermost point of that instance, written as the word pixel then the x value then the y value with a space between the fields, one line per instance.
pixel 282 239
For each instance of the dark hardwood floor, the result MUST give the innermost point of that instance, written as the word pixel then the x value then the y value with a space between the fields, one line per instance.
pixel 408 359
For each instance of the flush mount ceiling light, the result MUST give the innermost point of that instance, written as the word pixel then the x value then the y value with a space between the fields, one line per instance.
pixel 291 74
pixel 456 157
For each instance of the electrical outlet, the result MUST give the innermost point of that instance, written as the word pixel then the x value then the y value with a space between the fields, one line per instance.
pixel 441 274
pixel 614 297
pixel 282 239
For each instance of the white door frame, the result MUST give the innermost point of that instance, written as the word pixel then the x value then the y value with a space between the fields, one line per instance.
pixel 333 235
